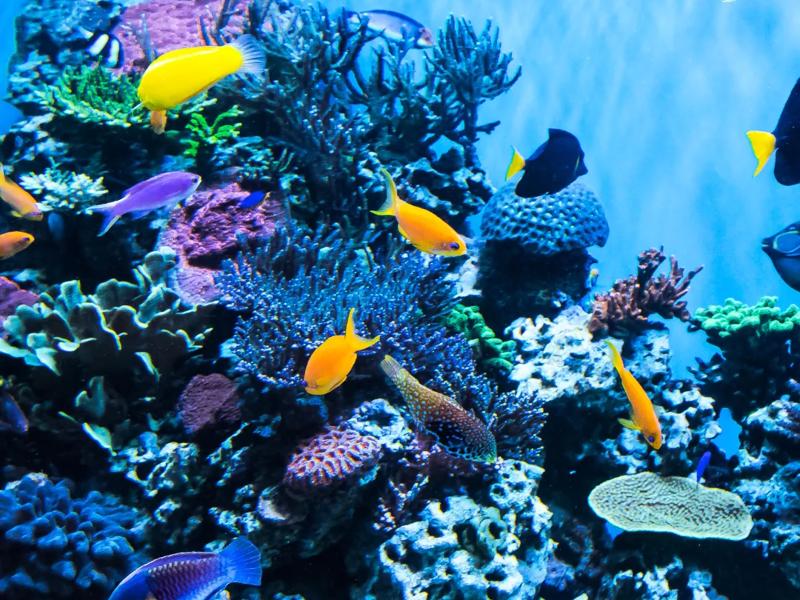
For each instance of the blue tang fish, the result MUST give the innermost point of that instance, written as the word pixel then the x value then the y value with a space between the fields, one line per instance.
pixel 784 141
pixel 193 575
pixel 395 26
pixel 783 249
pixel 162 190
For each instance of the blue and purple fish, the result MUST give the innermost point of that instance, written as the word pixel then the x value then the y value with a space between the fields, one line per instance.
pixel 702 464
pixel 162 190
pixel 395 26
pixel 252 200
pixel 11 416
pixel 193 575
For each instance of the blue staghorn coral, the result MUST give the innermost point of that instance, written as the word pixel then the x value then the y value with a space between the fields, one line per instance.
pixel 57 546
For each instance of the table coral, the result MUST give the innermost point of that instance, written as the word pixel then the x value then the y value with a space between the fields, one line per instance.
pixel 649 502
pixel 57 546
pixel 626 309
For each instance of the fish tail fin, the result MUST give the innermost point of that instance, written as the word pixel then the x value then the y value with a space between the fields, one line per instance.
pixel 763 145
pixel 109 216
pixel 2 174
pixel 356 341
pixel 392 368
pixel 516 165
pixel 616 359
pixel 158 121
pixel 243 560
pixel 254 59
pixel 389 207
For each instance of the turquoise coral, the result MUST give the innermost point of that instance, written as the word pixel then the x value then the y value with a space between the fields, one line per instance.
pixel 491 352
pixel 59 189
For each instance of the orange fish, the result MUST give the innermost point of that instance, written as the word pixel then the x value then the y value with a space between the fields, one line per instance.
pixel 421 227
pixel 331 363
pixel 13 242
pixel 21 201
pixel 643 415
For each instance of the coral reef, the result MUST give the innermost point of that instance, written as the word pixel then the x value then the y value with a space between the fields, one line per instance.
pixel 492 353
pixel 627 308
pixel 534 257
pixel 56 189
pixel 209 400
pixel 12 296
pixel 57 546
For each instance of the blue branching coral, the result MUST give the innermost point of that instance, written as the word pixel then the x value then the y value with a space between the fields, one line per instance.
pixel 56 546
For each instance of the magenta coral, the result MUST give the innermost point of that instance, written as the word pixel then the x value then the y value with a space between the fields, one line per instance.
pixel 208 401
pixel 330 459
pixel 626 308
pixel 12 296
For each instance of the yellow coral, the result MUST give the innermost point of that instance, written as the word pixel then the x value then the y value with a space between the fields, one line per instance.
pixel 649 502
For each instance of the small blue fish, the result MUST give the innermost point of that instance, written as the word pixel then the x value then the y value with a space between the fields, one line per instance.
pixel 162 190
pixel 395 26
pixel 193 575
pixel 702 464
pixel 11 416
pixel 252 200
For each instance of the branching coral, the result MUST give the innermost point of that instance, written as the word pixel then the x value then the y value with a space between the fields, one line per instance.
pixel 760 359
pixel 58 189
pixel 626 309
pixel 210 145
pixel 517 422
pixel 56 546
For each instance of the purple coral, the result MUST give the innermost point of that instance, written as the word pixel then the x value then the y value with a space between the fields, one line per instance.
pixel 626 308
pixel 208 228
pixel 207 401
pixel 329 459
pixel 12 296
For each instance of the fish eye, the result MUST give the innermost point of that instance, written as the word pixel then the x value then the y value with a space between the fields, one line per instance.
pixel 454 245
pixel 651 439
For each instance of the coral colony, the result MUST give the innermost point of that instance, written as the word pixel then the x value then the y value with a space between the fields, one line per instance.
pixel 153 392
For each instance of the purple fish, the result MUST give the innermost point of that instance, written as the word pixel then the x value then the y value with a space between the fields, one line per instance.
pixel 395 26
pixel 702 464
pixel 11 416
pixel 159 191
pixel 193 575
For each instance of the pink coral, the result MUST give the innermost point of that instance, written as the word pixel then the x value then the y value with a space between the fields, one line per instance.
pixel 329 459
pixel 207 401
pixel 12 296
pixel 207 229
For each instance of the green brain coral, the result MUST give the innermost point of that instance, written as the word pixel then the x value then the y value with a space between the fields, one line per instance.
pixel 649 502
pixel 492 353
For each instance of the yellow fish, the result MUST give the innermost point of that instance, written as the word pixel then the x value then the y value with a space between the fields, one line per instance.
pixel 331 363
pixel 643 415
pixel 179 75
pixel 421 227
pixel 13 242
pixel 21 201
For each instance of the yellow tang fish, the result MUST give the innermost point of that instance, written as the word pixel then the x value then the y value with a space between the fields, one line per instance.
pixel 421 227
pixel 179 75
pixel 13 242
pixel 21 201
pixel 643 414
pixel 331 363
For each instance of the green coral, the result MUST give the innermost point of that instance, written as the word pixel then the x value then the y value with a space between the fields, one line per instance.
pixel 58 189
pixel 95 357
pixel 760 352
pixel 492 353
pixel 212 144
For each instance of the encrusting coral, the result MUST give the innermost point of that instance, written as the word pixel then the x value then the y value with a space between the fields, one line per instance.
pixel 626 309
pixel 209 401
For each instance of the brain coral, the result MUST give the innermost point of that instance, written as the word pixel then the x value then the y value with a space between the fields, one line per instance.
pixel 648 502
pixel 572 219
pixel 331 458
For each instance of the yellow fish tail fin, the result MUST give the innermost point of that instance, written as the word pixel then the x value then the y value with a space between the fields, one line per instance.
pixel 628 424
pixel 392 368
pixel 763 144
pixel 254 59
pixel 2 174
pixel 158 121
pixel 616 359
pixel 356 341
pixel 389 207
pixel 516 165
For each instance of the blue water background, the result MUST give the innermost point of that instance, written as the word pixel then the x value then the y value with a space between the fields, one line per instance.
pixel 660 94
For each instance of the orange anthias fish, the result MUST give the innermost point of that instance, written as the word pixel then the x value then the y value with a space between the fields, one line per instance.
pixel 643 414
pixel 421 227
pixel 458 431
pixel 21 201
pixel 13 242
pixel 331 363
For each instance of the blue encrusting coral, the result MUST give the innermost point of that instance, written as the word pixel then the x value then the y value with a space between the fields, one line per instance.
pixel 209 376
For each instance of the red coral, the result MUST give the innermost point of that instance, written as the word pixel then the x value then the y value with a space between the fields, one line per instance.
pixel 209 400
pixel 627 307
pixel 330 459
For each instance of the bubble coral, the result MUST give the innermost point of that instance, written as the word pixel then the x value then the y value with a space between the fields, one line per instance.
pixel 329 459
pixel 649 502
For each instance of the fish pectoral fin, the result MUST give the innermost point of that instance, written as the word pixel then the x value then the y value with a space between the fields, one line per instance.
pixel 628 424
